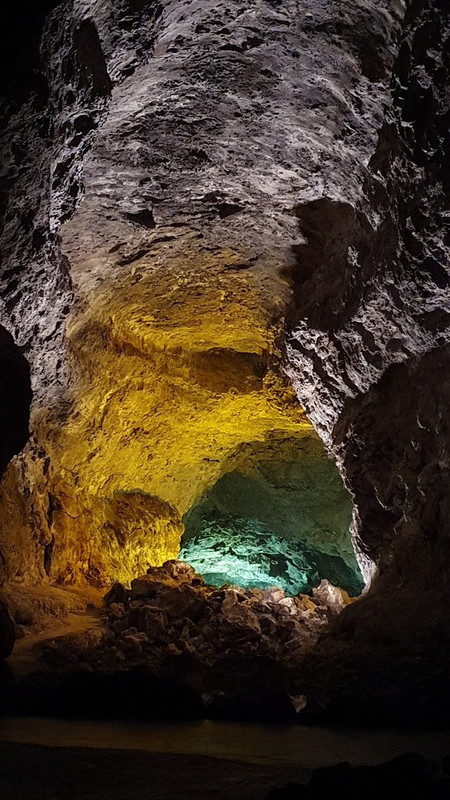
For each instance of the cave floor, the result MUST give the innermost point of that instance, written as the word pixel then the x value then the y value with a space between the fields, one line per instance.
pixel 25 657
pixel 52 759
pixel 173 648
pixel 169 647
pixel 119 775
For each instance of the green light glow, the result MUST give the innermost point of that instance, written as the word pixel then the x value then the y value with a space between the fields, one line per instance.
pixel 246 553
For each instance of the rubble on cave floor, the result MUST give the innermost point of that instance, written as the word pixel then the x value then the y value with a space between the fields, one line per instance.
pixel 172 607
pixel 219 643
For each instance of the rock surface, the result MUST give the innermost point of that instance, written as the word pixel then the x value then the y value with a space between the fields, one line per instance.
pixel 234 650
pixel 409 775
pixel 166 262
pixel 210 198
pixel 290 487
pixel 15 399
pixel 247 553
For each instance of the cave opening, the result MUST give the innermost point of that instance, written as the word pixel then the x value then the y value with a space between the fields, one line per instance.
pixel 279 516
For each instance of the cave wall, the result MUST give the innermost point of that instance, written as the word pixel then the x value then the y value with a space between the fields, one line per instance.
pixel 288 484
pixel 148 217
pixel 201 200
pixel 392 306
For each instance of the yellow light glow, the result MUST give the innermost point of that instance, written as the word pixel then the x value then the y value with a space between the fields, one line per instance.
pixel 173 378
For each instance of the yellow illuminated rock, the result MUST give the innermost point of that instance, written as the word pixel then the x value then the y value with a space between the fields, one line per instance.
pixel 175 374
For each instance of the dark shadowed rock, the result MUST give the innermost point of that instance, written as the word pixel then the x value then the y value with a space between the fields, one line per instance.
pixel 406 776
pixel 7 632
pixel 15 399
pixel 117 594
pixel 235 650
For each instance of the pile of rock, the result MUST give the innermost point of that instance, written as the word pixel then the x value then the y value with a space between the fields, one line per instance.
pixel 171 640
pixel 170 611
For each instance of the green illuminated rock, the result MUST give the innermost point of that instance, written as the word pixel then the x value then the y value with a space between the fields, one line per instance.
pixel 245 552
pixel 291 486
pixel 279 517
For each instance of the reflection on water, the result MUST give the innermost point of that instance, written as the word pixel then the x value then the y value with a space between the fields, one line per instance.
pixel 254 743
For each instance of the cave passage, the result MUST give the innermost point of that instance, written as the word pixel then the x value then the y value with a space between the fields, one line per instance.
pixel 280 518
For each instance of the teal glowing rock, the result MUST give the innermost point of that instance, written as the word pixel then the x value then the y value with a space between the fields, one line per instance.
pixel 246 553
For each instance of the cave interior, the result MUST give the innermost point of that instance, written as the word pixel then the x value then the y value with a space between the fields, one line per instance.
pixel 224 365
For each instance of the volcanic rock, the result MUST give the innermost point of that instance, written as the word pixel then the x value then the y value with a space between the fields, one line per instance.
pixel 224 232
pixel 214 641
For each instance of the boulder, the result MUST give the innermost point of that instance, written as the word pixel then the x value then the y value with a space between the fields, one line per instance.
pixel 117 594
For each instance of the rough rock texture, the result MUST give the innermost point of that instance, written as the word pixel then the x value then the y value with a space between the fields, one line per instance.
pixel 393 306
pixel 384 367
pixel 173 264
pixel 291 487
pixel 247 553
pixel 234 189
pixel 232 648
